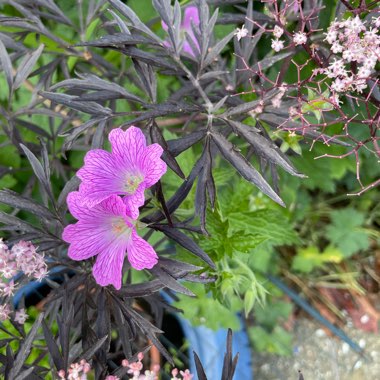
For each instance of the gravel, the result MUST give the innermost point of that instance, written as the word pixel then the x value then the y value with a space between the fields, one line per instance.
pixel 321 357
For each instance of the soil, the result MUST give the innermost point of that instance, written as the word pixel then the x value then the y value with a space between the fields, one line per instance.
pixel 321 357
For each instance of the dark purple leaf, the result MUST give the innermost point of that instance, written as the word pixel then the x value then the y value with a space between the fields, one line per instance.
pixel 245 169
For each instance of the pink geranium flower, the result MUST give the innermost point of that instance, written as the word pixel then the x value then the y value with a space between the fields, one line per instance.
pixel 108 231
pixel 131 168
pixel 191 15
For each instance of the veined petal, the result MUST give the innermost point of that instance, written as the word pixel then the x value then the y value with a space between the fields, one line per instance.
pixel 97 228
pixel 129 145
pixel 141 254
pixel 151 165
pixel 102 175
pixel 86 240
pixel 109 264
pixel 133 202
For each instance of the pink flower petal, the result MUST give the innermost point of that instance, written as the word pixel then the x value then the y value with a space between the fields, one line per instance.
pixel 191 15
pixel 84 240
pixel 98 227
pixel 102 175
pixel 128 145
pixel 133 202
pixel 141 254
pixel 109 265
pixel 153 166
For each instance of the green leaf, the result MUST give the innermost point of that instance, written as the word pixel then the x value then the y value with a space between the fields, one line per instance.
pixel 345 231
pixel 204 310
pixel 249 300
pixel 273 313
pixel 278 341
pixel 323 172
pixel 267 224
pixel 7 181
pixel 309 258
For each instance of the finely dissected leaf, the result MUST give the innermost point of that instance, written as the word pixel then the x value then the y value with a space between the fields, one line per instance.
pixel 26 66
pixel 198 365
pixel 38 171
pixel 346 231
pixel 215 50
pixel 12 223
pixel 70 186
pixel 183 143
pixel 88 354
pixel 185 242
pixel 266 148
pixel 131 15
pixel 92 82
pixel 119 39
pixel 157 137
pixel 147 77
pixel 246 107
pixel 245 169
pixel 6 65
pixel 74 102
pixel 141 290
pixel 17 201
pixel 270 61
pixel 73 134
pixel 169 280
pixel 25 374
pixel 25 348
pixel 52 347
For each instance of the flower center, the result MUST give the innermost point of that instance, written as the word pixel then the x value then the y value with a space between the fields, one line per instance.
pixel 131 183
pixel 120 227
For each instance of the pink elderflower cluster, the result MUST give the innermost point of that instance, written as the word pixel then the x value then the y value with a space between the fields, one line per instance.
pixel 21 258
pixel 355 44
pixel 135 369
pixel 107 205
pixel 77 371
pixel 186 375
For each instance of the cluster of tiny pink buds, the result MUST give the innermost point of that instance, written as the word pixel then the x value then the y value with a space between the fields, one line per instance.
pixel 136 368
pixel 5 310
pixel 186 375
pixel 353 42
pixel 277 100
pixel 299 38
pixel 241 32
pixel 21 258
pixel 77 371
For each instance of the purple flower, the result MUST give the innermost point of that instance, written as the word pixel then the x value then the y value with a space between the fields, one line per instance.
pixel 131 168
pixel 191 15
pixel 107 230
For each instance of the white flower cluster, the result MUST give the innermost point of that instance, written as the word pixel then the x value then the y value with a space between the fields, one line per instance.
pixel 354 43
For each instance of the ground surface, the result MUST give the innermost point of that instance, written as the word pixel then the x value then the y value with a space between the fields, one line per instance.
pixel 321 357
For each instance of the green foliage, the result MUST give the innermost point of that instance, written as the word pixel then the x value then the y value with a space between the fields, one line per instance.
pixel 323 173
pixel 310 258
pixel 278 341
pixel 205 310
pixel 346 232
